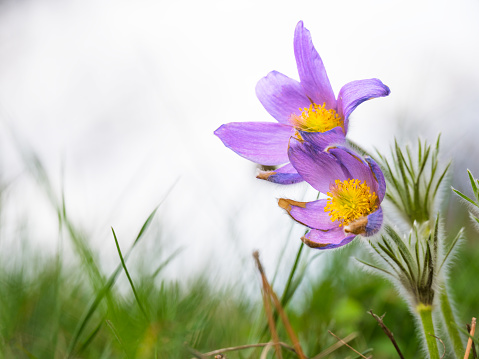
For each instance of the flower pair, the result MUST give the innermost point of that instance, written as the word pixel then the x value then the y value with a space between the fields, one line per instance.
pixel 308 142
pixel 355 188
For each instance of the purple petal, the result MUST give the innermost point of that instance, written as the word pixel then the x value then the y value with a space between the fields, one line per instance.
pixel 379 176
pixel 311 69
pixel 355 165
pixel 366 226
pixel 375 221
pixel 261 142
pixel 311 214
pixel 327 239
pixel 319 169
pixel 281 96
pixel 324 139
pixel 283 175
pixel 356 92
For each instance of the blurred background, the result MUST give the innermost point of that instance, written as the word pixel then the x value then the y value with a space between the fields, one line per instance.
pixel 119 101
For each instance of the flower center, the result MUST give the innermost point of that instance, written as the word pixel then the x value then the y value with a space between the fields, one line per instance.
pixel 349 200
pixel 316 119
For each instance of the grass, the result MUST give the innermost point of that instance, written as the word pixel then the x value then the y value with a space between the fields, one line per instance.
pixel 53 309
pixel 40 314
pixel 41 311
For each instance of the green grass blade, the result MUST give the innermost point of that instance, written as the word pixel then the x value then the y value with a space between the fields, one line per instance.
pixel 419 152
pixel 152 215
pixel 116 335
pixel 91 309
pixel 128 274
pixel 285 297
pixel 106 288
pixel 27 353
pixel 166 262
pixel 146 224
pixel 89 339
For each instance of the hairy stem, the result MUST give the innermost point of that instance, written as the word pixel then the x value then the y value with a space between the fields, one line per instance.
pixel 425 314
pixel 450 322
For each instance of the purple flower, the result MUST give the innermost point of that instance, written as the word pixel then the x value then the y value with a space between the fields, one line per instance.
pixel 355 189
pixel 307 106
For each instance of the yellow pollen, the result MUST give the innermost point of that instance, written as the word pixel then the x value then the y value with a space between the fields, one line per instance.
pixel 349 200
pixel 316 119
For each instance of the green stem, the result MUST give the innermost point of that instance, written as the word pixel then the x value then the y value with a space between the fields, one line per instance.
pixel 425 314
pixel 450 322
pixel 285 296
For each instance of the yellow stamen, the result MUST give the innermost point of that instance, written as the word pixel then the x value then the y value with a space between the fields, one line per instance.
pixel 316 119
pixel 349 200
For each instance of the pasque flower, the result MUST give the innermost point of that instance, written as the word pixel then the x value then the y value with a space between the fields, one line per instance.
pixel 355 189
pixel 306 106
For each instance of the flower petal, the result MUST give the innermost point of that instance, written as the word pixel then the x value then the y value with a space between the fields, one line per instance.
pixel 311 214
pixel 355 93
pixel 311 69
pixel 366 226
pixel 324 139
pixel 357 167
pixel 375 221
pixel 261 142
pixel 379 176
pixel 319 169
pixel 281 96
pixel 327 239
pixel 283 175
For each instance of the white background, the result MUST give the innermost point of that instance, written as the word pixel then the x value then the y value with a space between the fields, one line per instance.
pixel 122 97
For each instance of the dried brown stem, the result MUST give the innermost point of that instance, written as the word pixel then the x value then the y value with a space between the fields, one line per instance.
pixel 469 341
pixel 279 308
pixel 474 353
pixel 387 331
pixel 265 351
pixel 349 346
pixel 195 353
pixel 267 306
pixel 247 346
pixel 335 346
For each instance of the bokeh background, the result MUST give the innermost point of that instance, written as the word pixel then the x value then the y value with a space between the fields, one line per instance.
pixel 119 100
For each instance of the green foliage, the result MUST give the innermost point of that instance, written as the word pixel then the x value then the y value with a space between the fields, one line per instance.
pixel 40 313
pixel 51 310
pixel 472 201
pixel 412 261
pixel 40 318
pixel 413 181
